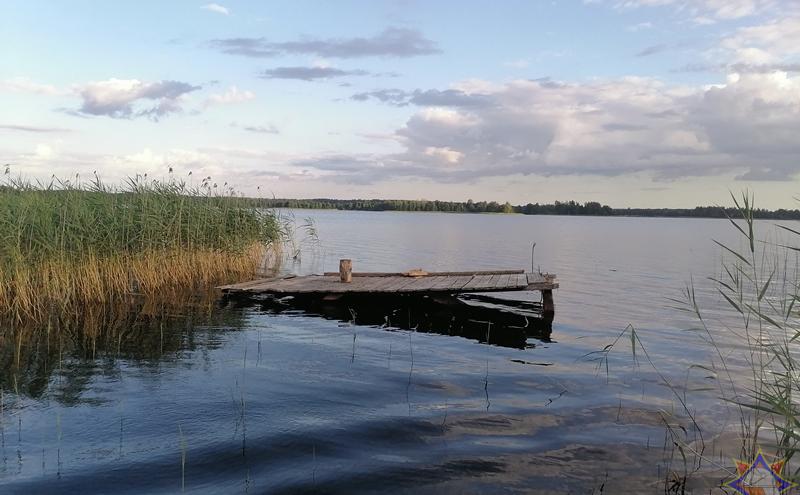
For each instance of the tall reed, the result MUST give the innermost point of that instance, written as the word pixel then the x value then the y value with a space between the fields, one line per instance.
pixel 754 347
pixel 68 243
pixel 760 284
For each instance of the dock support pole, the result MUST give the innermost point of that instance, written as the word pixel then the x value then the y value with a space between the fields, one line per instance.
pixel 548 307
pixel 346 271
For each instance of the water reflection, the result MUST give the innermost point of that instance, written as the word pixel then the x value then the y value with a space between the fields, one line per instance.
pixel 276 399
pixel 481 317
pixel 289 397
pixel 143 333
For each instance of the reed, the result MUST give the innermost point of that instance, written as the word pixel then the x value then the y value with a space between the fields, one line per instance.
pixel 758 376
pixel 761 284
pixel 67 244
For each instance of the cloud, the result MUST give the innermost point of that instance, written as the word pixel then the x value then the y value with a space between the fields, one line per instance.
pixel 309 73
pixel 215 7
pixel 259 129
pixel 231 96
pixel 391 42
pixel 746 127
pixel 128 98
pixel 640 27
pixel 740 68
pixel 430 97
pixel 652 50
pixel 397 97
pixel 701 11
pixel 763 174
pixel 30 128
pixel 773 46
pixel 249 167
pixel 45 152
pixel 765 43
pixel 25 85
pixel 149 161
pixel 445 154
pixel 270 129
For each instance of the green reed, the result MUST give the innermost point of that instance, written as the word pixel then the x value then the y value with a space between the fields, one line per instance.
pixel 66 243
pixel 759 282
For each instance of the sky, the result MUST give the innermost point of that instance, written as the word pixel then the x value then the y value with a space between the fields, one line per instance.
pixel 633 103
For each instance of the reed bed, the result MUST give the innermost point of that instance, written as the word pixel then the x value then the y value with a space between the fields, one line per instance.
pixel 67 244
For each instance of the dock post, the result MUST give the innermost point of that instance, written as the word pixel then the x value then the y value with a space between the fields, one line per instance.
pixel 346 271
pixel 548 307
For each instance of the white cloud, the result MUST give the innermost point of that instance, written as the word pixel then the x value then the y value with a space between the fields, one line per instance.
pixel 445 154
pixel 701 11
pixel 215 7
pixel 765 43
pixel 231 96
pixel 148 161
pixel 445 117
pixel 44 152
pixel 640 26
pixel 127 98
pixel 746 126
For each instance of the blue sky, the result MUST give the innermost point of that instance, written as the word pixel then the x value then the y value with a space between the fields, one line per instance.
pixel 627 102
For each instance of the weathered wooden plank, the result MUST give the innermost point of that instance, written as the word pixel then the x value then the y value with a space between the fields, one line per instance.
pixel 319 284
pixel 377 284
pixel 547 282
pixel 548 307
pixel 394 283
pixel 277 285
pixel 409 284
pixel 299 284
pixel 251 283
pixel 449 274
pixel 422 284
pixel 489 284
pixel 479 282
pixel 366 284
pixel 493 282
pixel 456 282
pixel 442 282
pixel 368 274
pixel 470 282
pixel 385 283
pixel 498 280
pixel 504 282
pixel 460 281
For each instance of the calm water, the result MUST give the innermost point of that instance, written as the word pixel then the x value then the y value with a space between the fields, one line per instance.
pixel 238 400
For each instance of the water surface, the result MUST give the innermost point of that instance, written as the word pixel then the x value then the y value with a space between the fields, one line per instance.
pixel 228 399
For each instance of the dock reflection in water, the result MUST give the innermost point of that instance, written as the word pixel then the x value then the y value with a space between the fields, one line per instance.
pixel 481 317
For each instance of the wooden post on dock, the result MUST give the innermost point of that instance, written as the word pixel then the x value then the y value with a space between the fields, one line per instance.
pixel 548 307
pixel 346 271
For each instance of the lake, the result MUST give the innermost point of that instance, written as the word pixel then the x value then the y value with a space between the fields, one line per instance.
pixel 227 399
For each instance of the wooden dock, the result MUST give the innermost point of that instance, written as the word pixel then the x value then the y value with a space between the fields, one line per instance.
pixel 415 282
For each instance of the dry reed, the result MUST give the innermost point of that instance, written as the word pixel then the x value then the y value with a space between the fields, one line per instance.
pixel 65 245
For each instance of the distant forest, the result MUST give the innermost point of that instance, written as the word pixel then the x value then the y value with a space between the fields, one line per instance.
pixel 590 208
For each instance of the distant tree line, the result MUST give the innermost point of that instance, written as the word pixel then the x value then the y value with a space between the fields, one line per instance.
pixel 591 208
